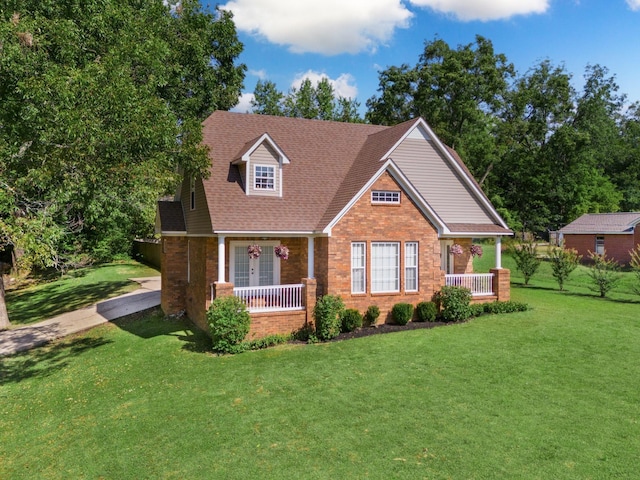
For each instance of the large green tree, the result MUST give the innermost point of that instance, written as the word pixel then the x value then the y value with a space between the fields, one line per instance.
pixel 101 108
pixel 102 104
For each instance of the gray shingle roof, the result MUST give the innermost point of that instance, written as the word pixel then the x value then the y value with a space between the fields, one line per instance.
pixel 595 223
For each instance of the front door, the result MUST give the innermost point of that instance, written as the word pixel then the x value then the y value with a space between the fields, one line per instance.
pixel 446 257
pixel 254 272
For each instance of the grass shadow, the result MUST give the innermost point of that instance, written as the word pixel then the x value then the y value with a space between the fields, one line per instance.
pixel 44 361
pixel 53 299
pixel 153 323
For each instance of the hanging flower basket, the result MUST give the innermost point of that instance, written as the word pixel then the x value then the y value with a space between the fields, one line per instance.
pixel 282 252
pixel 476 250
pixel 456 249
pixel 254 251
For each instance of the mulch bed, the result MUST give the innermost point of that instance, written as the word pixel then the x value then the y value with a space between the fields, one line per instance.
pixel 387 328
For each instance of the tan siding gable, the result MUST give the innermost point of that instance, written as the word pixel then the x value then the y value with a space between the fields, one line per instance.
pixel 198 220
pixel 438 183
pixel 266 156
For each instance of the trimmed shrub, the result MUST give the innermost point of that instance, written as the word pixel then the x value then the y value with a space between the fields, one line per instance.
pixel 455 303
pixel 563 262
pixel 426 311
pixel 371 317
pixel 268 341
pixel 327 314
pixel 351 319
pixel 229 323
pixel 477 309
pixel 505 307
pixel 401 313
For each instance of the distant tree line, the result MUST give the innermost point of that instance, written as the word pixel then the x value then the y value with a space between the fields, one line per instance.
pixel 542 151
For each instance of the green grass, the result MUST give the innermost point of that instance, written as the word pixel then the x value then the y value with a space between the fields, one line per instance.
pixel 77 289
pixel 547 393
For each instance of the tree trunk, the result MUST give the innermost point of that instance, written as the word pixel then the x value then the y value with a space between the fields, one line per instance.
pixel 4 315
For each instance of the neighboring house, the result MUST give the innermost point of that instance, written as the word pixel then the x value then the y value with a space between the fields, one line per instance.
pixel 367 212
pixel 615 233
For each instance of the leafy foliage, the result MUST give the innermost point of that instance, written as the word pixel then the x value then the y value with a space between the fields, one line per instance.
pixel 372 314
pixel 266 342
pixel 308 101
pixel 563 262
pixel 102 104
pixel 454 303
pixel 351 320
pixel 603 273
pixel 229 324
pixel 402 313
pixel 526 258
pixel 426 311
pixel 505 307
pixel 327 314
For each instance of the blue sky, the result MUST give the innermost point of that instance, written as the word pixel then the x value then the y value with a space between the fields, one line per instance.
pixel 349 41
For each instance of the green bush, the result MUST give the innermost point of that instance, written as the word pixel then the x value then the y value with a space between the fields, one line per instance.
pixel 229 323
pixel 401 313
pixel 426 312
pixel 455 303
pixel 371 317
pixel 526 258
pixel 505 307
pixel 351 319
pixel 327 314
pixel 563 262
pixel 477 309
pixel 603 273
pixel 268 341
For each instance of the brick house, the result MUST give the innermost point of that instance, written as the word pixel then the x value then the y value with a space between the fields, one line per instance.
pixel 616 233
pixel 367 212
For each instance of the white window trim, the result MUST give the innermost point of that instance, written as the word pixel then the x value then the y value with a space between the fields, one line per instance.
pixel 397 268
pixel 388 197
pixel 362 267
pixel 255 178
pixel 598 243
pixel 415 267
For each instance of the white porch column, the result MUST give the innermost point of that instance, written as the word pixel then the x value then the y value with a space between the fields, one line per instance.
pixel 310 258
pixel 498 252
pixel 221 259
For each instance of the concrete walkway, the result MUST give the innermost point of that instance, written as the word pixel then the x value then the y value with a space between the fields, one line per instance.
pixel 37 334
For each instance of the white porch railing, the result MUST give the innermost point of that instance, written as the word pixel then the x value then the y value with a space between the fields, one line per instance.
pixel 479 283
pixel 271 298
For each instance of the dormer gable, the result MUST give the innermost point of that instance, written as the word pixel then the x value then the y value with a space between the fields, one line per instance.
pixel 260 163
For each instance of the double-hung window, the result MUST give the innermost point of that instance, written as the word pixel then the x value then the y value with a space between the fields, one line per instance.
pixel 411 267
pixel 600 245
pixel 385 267
pixel 264 177
pixel 358 267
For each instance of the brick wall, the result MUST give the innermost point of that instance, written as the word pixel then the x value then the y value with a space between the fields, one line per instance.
pixel 373 223
pixel 616 246
pixel 173 274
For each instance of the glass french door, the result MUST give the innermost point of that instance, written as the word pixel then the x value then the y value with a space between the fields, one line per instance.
pixel 254 272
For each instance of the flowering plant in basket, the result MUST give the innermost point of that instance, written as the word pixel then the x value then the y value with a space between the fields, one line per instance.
pixel 254 251
pixel 456 249
pixel 476 250
pixel 282 252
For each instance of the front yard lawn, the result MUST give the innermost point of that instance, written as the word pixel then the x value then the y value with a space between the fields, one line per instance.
pixel 547 393
pixel 76 289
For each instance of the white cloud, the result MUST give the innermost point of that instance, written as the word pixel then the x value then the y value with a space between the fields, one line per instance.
pixel 261 74
pixel 343 86
pixel 329 27
pixel 634 4
pixel 244 103
pixel 485 10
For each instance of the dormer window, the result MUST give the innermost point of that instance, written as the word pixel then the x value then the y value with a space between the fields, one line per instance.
pixel 264 177
pixel 385 196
